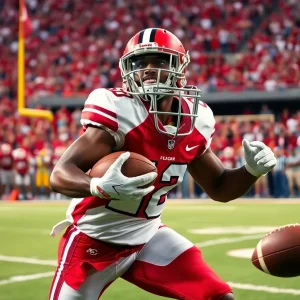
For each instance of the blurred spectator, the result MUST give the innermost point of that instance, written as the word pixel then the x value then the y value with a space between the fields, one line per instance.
pixel 280 180
pixel 293 170
pixel 43 160
pixel 22 177
pixel 6 165
pixel 265 110
pixel 234 46
pixel 57 62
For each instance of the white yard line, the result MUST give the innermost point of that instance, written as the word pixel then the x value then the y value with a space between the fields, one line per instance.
pixel 263 288
pixel 19 208
pixel 241 286
pixel 26 230
pixel 245 230
pixel 200 207
pixel 27 260
pixel 228 240
pixel 237 201
pixel 21 278
pixel 170 201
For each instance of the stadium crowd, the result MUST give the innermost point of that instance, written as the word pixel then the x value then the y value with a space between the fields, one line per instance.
pixel 77 48
pixel 235 46
pixel 30 148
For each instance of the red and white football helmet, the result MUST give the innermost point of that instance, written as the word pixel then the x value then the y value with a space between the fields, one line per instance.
pixel 159 41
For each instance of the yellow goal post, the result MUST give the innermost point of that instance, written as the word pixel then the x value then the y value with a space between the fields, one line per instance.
pixel 22 110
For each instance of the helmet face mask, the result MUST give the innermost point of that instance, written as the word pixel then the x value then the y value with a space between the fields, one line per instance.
pixel 151 70
pixel 134 65
pixel 153 66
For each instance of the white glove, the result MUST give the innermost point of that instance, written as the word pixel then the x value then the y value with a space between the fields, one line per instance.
pixel 259 158
pixel 113 185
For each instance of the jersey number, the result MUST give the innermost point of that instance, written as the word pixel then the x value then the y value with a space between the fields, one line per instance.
pixel 120 93
pixel 152 205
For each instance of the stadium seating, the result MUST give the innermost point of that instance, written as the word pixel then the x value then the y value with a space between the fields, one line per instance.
pixel 235 46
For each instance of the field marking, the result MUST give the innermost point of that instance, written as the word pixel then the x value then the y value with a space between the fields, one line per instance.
pixel 234 230
pixel 32 203
pixel 237 201
pixel 24 230
pixel 21 278
pixel 169 201
pixel 228 240
pixel 201 207
pixel 20 208
pixel 263 288
pixel 241 253
pixel 27 260
pixel 241 286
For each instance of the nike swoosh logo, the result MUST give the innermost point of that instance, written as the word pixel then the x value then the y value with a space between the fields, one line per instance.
pixel 187 148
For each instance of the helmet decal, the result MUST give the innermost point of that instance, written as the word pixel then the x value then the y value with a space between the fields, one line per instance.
pixel 147 36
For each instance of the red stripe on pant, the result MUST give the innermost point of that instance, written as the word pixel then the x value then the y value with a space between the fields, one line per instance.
pixel 65 245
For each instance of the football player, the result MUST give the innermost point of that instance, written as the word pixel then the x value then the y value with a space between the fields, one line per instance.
pixel 6 168
pixel 43 163
pixel 58 152
pixel 22 177
pixel 114 226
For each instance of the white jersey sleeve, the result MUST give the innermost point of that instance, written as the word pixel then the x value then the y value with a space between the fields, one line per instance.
pixel 100 111
pixel 205 124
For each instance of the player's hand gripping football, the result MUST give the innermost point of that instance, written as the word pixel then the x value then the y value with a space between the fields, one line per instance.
pixel 115 186
pixel 259 158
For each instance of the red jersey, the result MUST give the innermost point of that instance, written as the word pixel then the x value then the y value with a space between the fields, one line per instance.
pixel 128 120
pixel 22 165
pixel 6 161
pixel 21 161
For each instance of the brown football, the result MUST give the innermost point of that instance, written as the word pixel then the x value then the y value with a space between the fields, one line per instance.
pixel 135 165
pixel 278 252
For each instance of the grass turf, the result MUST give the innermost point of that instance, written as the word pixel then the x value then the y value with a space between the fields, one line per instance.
pixel 25 227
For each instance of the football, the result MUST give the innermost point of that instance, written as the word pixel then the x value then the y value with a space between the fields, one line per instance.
pixel 278 252
pixel 135 165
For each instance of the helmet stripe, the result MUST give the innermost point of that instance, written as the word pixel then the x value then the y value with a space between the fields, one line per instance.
pixel 141 37
pixel 152 35
pixel 146 37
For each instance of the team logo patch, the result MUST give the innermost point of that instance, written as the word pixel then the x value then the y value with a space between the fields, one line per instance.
pixel 171 144
pixel 92 251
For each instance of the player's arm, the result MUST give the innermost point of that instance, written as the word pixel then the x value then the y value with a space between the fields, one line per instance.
pixel 222 184
pixel 219 183
pixel 99 118
pixel 68 176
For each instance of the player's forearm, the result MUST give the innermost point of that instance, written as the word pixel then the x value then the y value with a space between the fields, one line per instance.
pixel 70 181
pixel 232 184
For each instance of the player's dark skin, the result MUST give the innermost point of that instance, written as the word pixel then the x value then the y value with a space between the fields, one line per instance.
pixel 69 178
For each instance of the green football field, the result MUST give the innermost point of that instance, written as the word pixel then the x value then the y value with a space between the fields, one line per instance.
pixel 28 253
